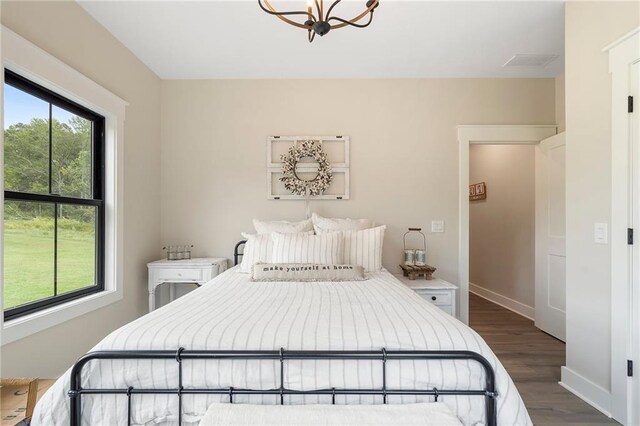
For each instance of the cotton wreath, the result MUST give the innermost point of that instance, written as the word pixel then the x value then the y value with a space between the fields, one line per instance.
pixel 299 186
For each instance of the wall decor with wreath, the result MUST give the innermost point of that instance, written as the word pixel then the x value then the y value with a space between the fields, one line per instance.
pixel 294 180
pixel 303 167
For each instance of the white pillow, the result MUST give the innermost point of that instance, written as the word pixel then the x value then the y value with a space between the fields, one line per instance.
pixel 363 247
pixel 299 248
pixel 257 249
pixel 322 224
pixel 282 226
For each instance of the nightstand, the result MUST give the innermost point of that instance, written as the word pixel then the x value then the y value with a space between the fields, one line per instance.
pixel 437 291
pixel 173 272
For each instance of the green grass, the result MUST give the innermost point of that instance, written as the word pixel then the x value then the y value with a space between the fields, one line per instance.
pixel 29 258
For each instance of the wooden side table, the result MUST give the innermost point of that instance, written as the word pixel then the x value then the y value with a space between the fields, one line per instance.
pixel 437 291
pixel 192 271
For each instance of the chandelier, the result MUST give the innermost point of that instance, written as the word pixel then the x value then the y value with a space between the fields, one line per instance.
pixel 319 20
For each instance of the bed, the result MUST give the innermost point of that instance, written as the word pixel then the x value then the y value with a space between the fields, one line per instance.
pixel 232 313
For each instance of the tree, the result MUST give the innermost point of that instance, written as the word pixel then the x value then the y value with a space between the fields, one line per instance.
pixel 27 163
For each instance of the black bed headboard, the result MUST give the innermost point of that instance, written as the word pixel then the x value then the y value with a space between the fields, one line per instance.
pixel 238 251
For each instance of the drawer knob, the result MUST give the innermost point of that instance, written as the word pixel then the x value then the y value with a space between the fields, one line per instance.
pixel 179 274
pixel 433 298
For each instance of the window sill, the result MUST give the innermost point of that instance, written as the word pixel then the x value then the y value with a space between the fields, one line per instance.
pixel 27 325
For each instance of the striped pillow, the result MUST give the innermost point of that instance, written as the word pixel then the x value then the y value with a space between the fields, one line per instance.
pixel 299 248
pixel 282 226
pixel 258 249
pixel 363 247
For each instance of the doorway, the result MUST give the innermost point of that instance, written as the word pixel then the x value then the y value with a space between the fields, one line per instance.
pixel 517 229
pixel 486 135
pixel 502 227
pixel 624 65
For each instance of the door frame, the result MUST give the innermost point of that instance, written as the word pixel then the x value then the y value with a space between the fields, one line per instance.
pixel 622 54
pixel 488 135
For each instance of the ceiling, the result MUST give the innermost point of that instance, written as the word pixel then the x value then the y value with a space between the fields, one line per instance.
pixel 407 39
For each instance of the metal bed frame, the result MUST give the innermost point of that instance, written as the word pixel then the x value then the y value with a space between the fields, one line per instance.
pixel 237 253
pixel 488 391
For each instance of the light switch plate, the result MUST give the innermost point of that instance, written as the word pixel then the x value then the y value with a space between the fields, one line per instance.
pixel 601 233
pixel 437 226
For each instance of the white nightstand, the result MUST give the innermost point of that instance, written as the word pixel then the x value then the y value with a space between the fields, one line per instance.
pixel 191 271
pixel 437 291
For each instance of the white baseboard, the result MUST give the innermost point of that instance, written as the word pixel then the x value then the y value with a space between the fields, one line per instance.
pixel 591 393
pixel 510 304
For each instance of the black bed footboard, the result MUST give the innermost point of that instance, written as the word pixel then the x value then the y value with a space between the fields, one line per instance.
pixel 76 391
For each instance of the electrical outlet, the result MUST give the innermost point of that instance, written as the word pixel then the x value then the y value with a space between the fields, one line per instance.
pixel 437 226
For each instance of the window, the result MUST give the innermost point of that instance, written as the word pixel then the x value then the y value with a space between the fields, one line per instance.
pixel 53 199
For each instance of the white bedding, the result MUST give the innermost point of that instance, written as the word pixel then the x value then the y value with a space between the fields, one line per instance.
pixel 232 313
pixel 421 414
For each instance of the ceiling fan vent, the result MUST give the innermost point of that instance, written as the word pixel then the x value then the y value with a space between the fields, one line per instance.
pixel 522 60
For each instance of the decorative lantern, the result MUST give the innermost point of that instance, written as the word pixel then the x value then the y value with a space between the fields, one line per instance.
pixel 414 256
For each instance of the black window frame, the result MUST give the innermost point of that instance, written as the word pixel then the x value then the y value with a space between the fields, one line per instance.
pixel 97 200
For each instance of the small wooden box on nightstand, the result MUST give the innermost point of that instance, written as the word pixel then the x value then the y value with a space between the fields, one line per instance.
pixel 437 291
pixel 191 271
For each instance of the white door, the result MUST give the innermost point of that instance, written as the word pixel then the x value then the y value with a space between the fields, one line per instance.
pixel 633 334
pixel 550 259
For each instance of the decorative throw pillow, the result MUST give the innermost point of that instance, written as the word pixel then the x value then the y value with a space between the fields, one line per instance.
pixel 323 224
pixel 282 226
pixel 363 247
pixel 257 249
pixel 300 248
pixel 306 272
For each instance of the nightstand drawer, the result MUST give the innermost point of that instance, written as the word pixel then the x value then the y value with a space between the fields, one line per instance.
pixel 178 274
pixel 436 297
pixel 187 271
pixel 436 291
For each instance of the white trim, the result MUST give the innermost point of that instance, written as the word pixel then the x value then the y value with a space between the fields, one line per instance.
pixel 30 61
pixel 1 197
pixel 622 53
pixel 484 134
pixel 622 39
pixel 29 324
pixel 513 305
pixel 594 395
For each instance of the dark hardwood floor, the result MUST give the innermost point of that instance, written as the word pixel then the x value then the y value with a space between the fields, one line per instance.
pixel 533 359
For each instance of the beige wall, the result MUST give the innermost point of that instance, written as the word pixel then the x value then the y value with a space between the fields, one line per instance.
pixel 502 227
pixel 404 152
pixel 404 158
pixel 66 31
pixel 590 26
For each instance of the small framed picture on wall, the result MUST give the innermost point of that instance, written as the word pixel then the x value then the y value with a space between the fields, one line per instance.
pixel 477 191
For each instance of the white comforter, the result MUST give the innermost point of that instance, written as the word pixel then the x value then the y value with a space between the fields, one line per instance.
pixel 420 414
pixel 231 313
